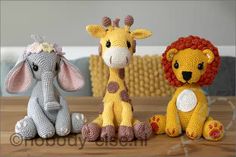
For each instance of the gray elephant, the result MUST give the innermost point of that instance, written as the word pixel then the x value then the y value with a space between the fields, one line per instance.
pixel 47 111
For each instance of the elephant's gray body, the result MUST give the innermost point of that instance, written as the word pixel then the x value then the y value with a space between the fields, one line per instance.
pixel 38 94
pixel 47 111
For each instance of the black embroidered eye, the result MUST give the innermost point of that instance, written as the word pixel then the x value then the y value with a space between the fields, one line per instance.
pixel 176 65
pixel 200 66
pixel 35 67
pixel 56 67
pixel 108 44
pixel 128 44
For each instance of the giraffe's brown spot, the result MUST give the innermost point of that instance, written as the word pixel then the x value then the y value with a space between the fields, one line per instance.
pixel 122 73
pixel 124 96
pixel 112 87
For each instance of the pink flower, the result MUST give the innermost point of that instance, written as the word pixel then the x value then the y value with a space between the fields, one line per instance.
pixel 33 48
pixel 58 49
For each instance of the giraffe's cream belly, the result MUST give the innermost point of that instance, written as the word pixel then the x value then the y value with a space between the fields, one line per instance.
pixel 186 101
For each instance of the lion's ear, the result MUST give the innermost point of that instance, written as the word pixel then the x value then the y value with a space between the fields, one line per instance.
pixel 170 54
pixel 210 55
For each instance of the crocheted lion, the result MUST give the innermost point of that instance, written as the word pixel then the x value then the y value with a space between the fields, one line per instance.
pixel 189 63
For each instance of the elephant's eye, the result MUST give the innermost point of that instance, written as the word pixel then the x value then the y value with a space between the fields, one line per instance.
pixel 35 67
pixel 128 44
pixel 56 67
pixel 200 66
pixel 176 65
pixel 108 44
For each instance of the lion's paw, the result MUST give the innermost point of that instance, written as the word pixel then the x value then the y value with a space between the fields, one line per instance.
pixel 192 133
pixel 157 123
pixel 213 130
pixel 173 131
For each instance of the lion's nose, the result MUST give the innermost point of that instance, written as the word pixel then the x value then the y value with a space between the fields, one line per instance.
pixel 187 75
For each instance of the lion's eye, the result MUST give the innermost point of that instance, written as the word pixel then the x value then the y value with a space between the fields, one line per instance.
pixel 200 66
pixel 108 44
pixel 176 65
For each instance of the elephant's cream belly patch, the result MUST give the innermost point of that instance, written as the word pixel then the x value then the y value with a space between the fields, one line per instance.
pixel 186 100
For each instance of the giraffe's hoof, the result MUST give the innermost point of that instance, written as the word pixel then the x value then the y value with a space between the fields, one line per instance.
pixel 142 131
pixel 91 132
pixel 125 133
pixel 108 133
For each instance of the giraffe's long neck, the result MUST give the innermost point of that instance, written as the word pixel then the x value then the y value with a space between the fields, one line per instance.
pixel 116 74
pixel 116 84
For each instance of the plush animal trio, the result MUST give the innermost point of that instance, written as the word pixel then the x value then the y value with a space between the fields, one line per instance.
pixel 188 63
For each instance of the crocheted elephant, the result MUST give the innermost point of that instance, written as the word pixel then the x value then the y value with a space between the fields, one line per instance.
pixel 47 111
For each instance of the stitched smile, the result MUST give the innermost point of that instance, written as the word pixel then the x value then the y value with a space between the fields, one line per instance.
pixel 111 60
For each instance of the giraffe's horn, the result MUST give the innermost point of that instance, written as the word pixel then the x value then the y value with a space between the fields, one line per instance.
pixel 129 20
pixel 116 22
pixel 106 21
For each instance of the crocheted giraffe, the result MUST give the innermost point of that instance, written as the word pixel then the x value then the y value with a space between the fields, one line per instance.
pixel 117 45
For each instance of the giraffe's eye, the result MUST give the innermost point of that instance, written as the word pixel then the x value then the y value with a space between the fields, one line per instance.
pixel 108 44
pixel 128 44
pixel 200 66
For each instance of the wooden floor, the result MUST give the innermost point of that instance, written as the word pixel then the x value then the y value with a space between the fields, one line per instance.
pixel 14 108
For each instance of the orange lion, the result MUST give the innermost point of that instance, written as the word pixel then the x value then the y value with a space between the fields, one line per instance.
pixel 189 63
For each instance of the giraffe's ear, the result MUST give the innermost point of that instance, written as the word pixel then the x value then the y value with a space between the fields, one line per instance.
pixel 141 33
pixel 96 31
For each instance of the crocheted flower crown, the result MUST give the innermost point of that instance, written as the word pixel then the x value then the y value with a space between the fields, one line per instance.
pixel 39 45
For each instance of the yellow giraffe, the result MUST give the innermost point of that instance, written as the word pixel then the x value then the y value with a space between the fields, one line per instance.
pixel 117 45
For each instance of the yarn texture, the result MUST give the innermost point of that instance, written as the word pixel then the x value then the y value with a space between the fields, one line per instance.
pixel 47 113
pixel 117 45
pixel 144 76
pixel 189 63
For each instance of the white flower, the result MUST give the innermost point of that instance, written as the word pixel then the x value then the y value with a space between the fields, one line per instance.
pixel 33 48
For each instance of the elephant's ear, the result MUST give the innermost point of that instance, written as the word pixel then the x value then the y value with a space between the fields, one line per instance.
pixel 19 78
pixel 69 77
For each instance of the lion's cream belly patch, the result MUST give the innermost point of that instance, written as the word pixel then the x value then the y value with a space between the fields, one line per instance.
pixel 186 100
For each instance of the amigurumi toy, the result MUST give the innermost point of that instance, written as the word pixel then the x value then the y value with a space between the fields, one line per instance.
pixel 117 45
pixel 47 110
pixel 189 63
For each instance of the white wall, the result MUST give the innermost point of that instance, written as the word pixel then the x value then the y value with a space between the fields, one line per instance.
pixel 11 54
pixel 64 21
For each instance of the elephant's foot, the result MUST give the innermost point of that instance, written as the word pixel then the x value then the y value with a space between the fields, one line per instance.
pixel 77 122
pixel 91 131
pixel 26 128
pixel 46 130
pixel 142 130
pixel 125 133
pixel 63 131
pixel 108 133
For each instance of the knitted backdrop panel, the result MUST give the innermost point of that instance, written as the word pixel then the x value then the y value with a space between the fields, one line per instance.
pixel 144 76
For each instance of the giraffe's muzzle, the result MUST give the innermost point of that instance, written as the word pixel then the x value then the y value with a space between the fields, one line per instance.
pixel 117 57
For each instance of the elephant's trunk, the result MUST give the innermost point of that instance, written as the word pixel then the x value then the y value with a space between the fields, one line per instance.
pixel 50 102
